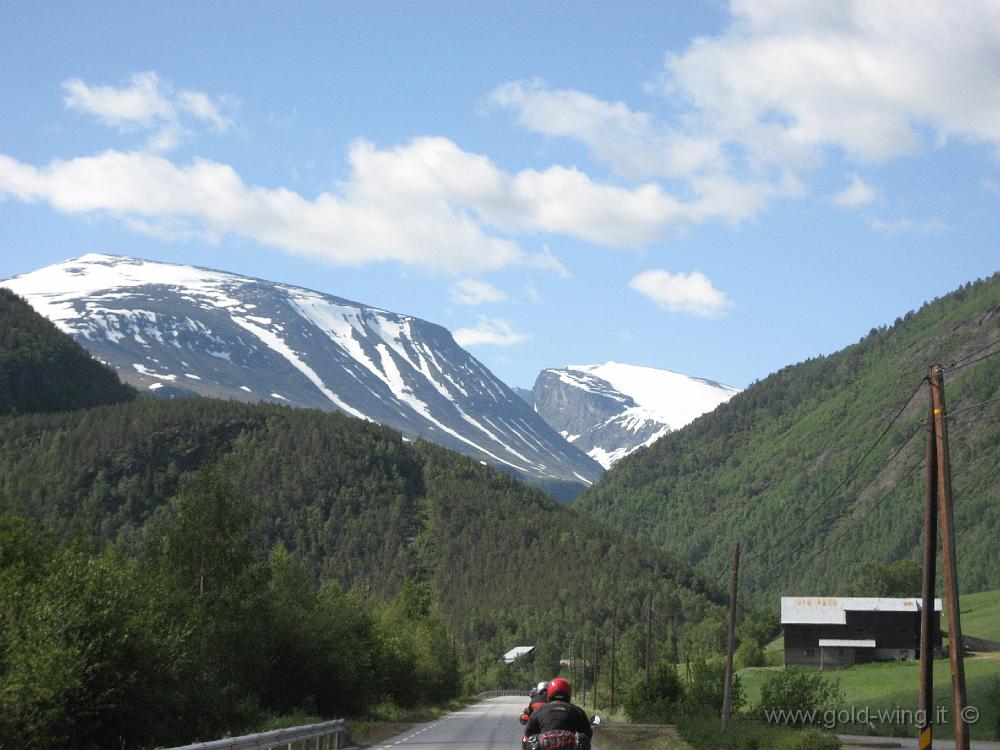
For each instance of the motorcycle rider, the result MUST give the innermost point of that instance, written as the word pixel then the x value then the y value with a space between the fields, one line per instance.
pixel 538 700
pixel 559 722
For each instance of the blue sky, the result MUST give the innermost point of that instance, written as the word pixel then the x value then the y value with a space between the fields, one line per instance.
pixel 720 189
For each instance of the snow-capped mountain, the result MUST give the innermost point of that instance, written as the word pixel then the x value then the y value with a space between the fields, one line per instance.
pixel 184 329
pixel 612 409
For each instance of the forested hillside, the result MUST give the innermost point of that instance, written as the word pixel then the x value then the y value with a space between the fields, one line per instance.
pixel 41 369
pixel 795 469
pixel 185 564
pixel 351 500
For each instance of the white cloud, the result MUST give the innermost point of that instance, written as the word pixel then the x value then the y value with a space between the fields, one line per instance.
pixel 201 106
pixel 427 203
pixel 789 79
pixel 790 83
pixel 858 193
pixel 991 187
pixel 690 293
pixel 140 104
pixel 167 138
pixel 559 199
pixel 631 142
pixel 474 292
pixel 492 331
pixel 636 147
pixel 148 103
pixel 904 226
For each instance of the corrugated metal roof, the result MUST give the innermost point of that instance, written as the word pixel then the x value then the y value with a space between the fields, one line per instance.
pixel 832 610
pixel 516 652
pixel 846 643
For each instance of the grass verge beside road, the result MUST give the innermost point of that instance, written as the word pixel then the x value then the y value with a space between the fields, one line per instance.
pixel 886 687
pixel 705 733
pixel 638 737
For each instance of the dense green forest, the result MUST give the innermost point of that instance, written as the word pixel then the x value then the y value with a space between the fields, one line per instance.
pixel 353 502
pixel 196 636
pixel 199 565
pixel 794 467
pixel 41 369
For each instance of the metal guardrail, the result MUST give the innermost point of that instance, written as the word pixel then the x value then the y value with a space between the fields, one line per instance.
pixel 328 735
pixel 502 694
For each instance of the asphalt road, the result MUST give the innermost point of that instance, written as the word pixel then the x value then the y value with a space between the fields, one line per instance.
pixel 490 725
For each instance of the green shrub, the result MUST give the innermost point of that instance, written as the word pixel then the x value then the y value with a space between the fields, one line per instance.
pixel 992 704
pixel 797 692
pixel 88 662
pixel 703 692
pixel 657 701
pixel 704 732
pixel 749 654
pixel 813 740
pixel 774 658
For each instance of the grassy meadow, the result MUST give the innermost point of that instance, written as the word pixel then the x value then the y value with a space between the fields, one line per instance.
pixel 895 685
pixel 980 615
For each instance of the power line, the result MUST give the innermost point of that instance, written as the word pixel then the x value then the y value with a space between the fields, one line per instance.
pixel 871 509
pixel 974 406
pixel 844 512
pixel 835 539
pixel 660 617
pixel 979 418
pixel 851 474
pixel 907 440
pixel 967 364
pixel 958 363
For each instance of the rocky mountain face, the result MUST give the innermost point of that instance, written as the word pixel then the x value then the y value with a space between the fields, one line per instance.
pixel 182 330
pixel 524 393
pixel 612 409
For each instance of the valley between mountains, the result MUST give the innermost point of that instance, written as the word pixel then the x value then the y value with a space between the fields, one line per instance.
pixel 153 527
pixel 176 331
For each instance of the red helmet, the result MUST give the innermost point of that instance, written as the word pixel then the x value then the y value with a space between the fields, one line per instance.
pixel 559 686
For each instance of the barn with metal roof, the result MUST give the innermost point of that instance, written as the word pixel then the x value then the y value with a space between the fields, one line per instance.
pixel 838 632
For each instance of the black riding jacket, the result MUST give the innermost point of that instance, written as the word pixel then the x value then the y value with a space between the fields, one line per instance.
pixel 558 714
pixel 536 702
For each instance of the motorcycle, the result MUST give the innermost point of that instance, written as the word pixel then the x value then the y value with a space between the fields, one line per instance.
pixel 559 739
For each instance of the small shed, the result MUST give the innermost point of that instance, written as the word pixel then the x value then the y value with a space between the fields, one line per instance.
pixel 838 632
pixel 519 652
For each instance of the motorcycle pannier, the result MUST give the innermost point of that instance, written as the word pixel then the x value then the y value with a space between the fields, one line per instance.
pixel 557 739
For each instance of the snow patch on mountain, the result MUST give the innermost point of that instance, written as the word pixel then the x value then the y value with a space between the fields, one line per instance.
pixel 612 409
pixel 235 337
pixel 662 395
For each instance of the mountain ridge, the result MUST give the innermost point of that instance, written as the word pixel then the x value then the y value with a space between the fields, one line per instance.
pixel 225 335
pixel 612 409
pixel 783 468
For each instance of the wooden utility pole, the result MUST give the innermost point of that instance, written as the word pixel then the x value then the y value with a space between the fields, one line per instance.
pixel 614 644
pixel 948 555
pixel 649 636
pixel 727 695
pixel 595 671
pixel 583 671
pixel 572 661
pixel 926 728
pixel 674 647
